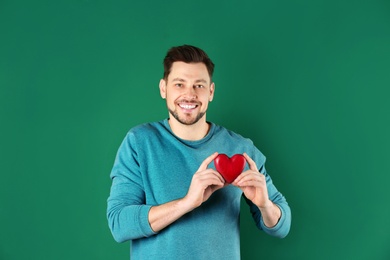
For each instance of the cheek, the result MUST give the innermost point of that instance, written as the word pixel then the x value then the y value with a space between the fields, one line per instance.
pixel 205 97
pixel 205 103
pixel 170 98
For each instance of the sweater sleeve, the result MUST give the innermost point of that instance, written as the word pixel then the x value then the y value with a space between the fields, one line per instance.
pixel 127 212
pixel 282 228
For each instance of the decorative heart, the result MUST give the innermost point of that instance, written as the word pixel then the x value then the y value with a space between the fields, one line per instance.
pixel 229 168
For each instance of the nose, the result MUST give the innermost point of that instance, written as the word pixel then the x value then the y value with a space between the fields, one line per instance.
pixel 191 92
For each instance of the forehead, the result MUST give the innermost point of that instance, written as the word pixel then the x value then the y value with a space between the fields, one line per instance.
pixel 189 71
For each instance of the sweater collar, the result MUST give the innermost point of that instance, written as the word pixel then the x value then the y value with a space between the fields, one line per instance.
pixel 189 142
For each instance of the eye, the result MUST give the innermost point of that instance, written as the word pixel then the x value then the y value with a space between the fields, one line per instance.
pixel 199 86
pixel 179 85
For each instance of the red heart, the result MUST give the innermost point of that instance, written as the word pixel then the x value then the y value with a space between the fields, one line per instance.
pixel 229 168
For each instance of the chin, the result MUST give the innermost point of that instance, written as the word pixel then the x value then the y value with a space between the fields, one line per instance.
pixel 185 120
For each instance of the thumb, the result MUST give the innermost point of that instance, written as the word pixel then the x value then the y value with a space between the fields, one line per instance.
pixel 252 164
pixel 207 161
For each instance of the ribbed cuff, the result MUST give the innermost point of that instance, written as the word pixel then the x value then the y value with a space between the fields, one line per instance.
pixel 143 220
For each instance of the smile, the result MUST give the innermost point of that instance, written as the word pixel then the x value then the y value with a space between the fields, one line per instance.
pixel 187 106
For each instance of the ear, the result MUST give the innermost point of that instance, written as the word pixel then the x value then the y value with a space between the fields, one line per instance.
pixel 163 88
pixel 212 90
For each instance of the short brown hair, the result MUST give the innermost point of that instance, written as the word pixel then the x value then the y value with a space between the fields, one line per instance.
pixel 187 54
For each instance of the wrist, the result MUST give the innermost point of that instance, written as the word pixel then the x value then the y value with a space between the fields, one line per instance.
pixel 186 204
pixel 271 214
pixel 266 206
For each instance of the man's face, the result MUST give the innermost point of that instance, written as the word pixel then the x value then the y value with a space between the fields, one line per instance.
pixel 187 90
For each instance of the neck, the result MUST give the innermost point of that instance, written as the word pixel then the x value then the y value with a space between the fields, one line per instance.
pixel 189 132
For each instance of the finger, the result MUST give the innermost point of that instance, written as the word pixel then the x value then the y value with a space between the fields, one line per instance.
pixel 240 177
pixel 252 164
pixel 216 187
pixel 250 183
pixel 207 161
pixel 247 175
pixel 211 173
pixel 209 183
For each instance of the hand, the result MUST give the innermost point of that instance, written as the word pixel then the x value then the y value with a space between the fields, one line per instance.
pixel 253 184
pixel 204 183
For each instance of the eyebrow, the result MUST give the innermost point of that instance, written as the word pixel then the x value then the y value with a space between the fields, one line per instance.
pixel 196 81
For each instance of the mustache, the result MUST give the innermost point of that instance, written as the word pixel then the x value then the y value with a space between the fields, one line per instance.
pixel 188 101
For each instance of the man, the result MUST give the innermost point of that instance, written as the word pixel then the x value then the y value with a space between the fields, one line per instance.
pixel 166 196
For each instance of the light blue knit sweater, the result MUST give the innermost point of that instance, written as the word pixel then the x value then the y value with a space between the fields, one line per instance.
pixel 153 167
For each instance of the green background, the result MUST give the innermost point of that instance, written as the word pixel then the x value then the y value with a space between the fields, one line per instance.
pixel 308 81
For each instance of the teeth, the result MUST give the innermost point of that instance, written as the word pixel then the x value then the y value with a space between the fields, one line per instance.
pixel 187 106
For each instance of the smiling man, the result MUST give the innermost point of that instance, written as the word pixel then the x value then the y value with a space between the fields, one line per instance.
pixel 188 90
pixel 166 196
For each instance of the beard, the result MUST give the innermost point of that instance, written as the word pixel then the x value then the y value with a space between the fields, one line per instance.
pixel 186 120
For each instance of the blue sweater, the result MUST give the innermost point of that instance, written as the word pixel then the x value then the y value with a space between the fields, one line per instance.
pixel 153 166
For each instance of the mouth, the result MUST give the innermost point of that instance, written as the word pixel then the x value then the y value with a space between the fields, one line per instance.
pixel 188 106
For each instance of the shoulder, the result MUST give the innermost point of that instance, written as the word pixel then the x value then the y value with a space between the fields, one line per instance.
pixel 241 143
pixel 147 129
pixel 144 132
pixel 227 133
